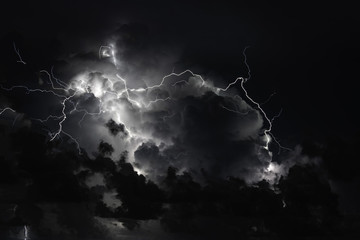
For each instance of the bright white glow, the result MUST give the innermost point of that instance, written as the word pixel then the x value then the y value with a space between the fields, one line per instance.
pixel 25 233
pixel 139 171
pixel 267 141
pixel 271 167
pixel 126 105
pixel 104 52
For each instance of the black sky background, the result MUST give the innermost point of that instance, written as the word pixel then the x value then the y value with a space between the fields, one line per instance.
pixel 308 54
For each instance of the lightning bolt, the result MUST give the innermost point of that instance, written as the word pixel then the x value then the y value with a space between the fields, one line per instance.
pixel 48 118
pixel 230 84
pixel 234 111
pixel 29 90
pixel 64 116
pixel 273 137
pixel 67 93
pixel 17 116
pixel 11 110
pixel 268 99
pixel 267 131
pixel 168 116
pixel 157 100
pixel 177 75
pixel 63 86
pixel 85 112
pixel 26 237
pixel 17 51
pixel 53 90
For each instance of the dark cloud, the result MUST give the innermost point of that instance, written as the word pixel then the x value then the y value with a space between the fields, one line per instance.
pixel 205 136
pixel 339 156
pixel 150 160
pixel 57 203
pixel 116 128
pixel 105 148
pixel 310 201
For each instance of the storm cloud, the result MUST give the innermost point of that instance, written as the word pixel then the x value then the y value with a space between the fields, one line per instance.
pixel 133 133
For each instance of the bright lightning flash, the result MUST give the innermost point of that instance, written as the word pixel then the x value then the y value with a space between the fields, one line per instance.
pixel 107 89
pixel 26 237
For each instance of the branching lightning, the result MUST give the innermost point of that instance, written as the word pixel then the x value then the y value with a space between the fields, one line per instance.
pixel 48 118
pixel 64 116
pixel 29 90
pixel 68 93
pixel 267 131
pixel 53 90
pixel 234 111
pixel 11 110
pixel 17 51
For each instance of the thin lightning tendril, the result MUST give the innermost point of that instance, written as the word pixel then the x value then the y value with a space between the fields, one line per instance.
pixel 17 51
pixel 267 132
pixel 63 103
pixel 17 116
pixel 109 52
pixel 54 88
pixel 6 109
pixel 234 111
pixel 85 112
pixel 268 99
pixel 29 90
pixel 12 110
pixel 48 118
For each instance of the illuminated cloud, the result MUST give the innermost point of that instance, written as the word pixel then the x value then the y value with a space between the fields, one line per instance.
pixel 182 120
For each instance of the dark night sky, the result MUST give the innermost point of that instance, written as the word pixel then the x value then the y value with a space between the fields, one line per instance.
pixel 308 54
